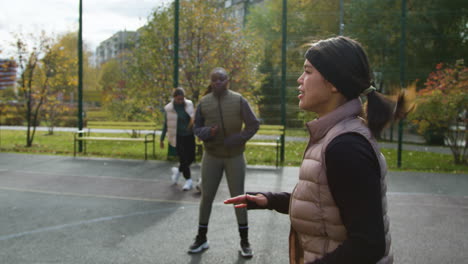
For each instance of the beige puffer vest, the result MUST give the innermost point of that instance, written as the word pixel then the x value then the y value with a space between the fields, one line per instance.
pixel 225 112
pixel 171 115
pixel 316 226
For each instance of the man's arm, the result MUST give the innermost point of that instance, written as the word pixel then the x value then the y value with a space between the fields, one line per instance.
pixel 199 128
pixel 164 130
pixel 251 126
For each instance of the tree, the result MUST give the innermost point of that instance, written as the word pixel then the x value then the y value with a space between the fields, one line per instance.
pixel 47 75
pixel 442 107
pixel 112 82
pixel 206 41
pixel 436 31
pixel 307 21
pixel 379 31
pixel 63 80
pixel 35 71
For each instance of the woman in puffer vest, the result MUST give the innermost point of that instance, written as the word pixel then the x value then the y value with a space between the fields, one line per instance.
pixel 178 123
pixel 338 209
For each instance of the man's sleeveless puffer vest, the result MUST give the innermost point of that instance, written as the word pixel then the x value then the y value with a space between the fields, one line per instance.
pixel 316 226
pixel 224 112
pixel 171 116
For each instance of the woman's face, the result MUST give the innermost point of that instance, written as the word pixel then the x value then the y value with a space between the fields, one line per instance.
pixel 179 99
pixel 219 81
pixel 315 93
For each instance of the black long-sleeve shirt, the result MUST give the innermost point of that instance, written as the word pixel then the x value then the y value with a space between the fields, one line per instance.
pixel 353 174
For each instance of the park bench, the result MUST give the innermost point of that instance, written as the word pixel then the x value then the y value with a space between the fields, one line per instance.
pixel 266 136
pixel 135 128
pixel 275 132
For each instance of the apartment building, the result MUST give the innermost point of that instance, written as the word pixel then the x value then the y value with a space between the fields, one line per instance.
pixel 8 70
pixel 116 44
pixel 239 8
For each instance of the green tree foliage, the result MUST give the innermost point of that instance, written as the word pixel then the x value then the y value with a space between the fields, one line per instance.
pixel 436 31
pixel 48 78
pixel 205 41
pixel 376 24
pixel 442 107
pixel 63 81
pixel 307 20
pixel 36 65
pixel 116 96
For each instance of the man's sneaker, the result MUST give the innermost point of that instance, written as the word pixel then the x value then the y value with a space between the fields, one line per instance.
pixel 245 249
pixel 200 244
pixel 187 185
pixel 175 175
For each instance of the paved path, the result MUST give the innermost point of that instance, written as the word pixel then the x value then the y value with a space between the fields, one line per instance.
pixel 58 209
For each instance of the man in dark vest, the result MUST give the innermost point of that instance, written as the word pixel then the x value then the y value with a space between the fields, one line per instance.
pixel 219 118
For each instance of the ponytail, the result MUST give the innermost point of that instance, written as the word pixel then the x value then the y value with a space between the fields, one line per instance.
pixel 381 111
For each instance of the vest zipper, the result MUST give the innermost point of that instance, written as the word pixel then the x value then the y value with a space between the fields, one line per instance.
pixel 221 116
pixel 222 123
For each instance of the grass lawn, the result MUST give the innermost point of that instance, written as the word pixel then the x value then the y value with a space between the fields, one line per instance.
pixel 61 143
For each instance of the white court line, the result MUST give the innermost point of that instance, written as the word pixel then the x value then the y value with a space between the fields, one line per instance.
pixel 423 194
pixel 89 176
pixel 99 196
pixel 430 205
pixel 109 218
pixel 91 221
pixel 104 177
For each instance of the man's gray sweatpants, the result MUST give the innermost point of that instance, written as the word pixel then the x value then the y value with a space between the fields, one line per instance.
pixel 212 169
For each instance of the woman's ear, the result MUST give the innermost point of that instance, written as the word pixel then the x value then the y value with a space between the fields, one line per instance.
pixel 331 87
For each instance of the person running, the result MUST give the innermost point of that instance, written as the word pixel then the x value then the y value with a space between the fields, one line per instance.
pixel 338 209
pixel 219 119
pixel 178 124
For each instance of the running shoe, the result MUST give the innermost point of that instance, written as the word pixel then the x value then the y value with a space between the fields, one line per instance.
pixel 200 244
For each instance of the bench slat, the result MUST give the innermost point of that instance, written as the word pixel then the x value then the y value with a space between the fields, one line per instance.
pixel 112 139
pixel 268 144
pixel 121 125
pixel 149 138
pixel 123 128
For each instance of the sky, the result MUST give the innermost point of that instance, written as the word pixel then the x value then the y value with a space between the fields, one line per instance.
pixel 101 18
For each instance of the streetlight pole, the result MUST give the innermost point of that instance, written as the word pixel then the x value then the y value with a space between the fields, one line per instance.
pixel 176 44
pixel 402 74
pixel 80 75
pixel 283 74
pixel 341 18
pixel 171 151
pixel 246 11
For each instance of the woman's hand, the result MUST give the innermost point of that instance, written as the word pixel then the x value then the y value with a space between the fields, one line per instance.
pixel 161 144
pixel 213 130
pixel 241 200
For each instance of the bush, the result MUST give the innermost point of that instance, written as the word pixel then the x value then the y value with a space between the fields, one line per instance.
pixel 68 121
pixel 441 105
pixel 434 136
pixel 11 115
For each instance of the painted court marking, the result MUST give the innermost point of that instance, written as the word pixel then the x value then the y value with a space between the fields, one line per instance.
pixel 98 196
pixel 91 221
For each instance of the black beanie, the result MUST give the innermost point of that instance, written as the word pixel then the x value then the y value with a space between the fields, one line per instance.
pixel 343 63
